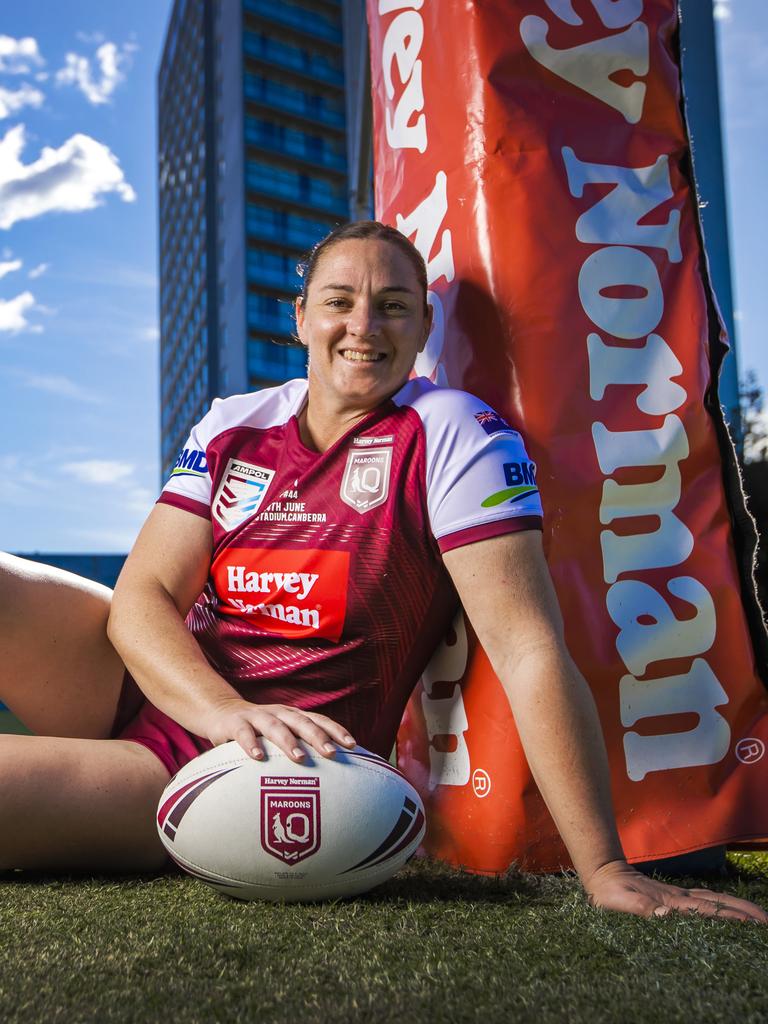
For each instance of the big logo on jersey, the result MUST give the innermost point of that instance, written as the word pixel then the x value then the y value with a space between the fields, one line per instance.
pixel 365 484
pixel 290 817
pixel 240 493
pixel 294 594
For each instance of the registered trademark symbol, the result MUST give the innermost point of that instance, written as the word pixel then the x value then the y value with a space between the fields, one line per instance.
pixel 749 750
pixel 481 782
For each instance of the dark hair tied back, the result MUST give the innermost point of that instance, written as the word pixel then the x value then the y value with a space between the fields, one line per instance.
pixel 362 229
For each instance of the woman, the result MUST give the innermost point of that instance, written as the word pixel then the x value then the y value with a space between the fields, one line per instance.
pixel 311 545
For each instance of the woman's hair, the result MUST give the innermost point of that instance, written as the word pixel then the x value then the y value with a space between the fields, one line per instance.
pixel 362 229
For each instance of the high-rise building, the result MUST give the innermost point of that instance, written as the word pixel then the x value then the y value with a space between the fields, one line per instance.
pixel 252 172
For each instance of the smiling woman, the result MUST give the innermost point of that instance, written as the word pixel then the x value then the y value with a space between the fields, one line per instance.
pixel 363 316
pixel 293 582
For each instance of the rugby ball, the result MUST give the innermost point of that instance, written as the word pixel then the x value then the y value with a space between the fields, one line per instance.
pixel 277 830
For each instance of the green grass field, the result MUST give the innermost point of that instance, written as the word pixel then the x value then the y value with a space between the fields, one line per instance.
pixel 432 945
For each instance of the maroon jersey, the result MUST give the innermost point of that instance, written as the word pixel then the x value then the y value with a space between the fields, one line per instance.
pixel 327 589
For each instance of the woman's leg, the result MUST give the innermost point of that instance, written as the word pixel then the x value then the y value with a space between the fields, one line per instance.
pixel 58 671
pixel 74 804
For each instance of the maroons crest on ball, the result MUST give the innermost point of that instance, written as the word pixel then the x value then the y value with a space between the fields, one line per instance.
pixel 277 830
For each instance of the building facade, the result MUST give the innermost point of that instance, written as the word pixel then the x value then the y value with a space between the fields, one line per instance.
pixel 252 170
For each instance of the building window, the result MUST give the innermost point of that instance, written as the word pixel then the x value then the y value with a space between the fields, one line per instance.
pixel 270 315
pixel 281 138
pixel 272 268
pixel 297 17
pixel 268 361
pixel 283 226
pixel 292 185
pixel 274 51
pixel 292 100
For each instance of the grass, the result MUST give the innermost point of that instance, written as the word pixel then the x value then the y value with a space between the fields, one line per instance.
pixel 432 945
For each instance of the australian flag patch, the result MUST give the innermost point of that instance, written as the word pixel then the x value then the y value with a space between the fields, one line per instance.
pixel 492 423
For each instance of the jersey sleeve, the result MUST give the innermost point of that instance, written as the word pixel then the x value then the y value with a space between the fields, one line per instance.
pixel 480 480
pixel 189 485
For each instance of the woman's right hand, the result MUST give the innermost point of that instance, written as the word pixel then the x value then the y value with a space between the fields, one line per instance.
pixel 239 720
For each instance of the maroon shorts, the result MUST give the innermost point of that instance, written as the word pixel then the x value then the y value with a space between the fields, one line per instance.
pixel 153 729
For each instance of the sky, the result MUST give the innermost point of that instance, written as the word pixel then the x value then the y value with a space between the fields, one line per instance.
pixel 79 460
pixel 742 28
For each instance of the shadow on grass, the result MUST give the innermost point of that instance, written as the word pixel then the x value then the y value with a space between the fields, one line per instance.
pixel 422 881
pixel 425 881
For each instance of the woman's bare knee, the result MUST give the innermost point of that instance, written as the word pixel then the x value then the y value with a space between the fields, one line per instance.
pixel 58 671
pixel 68 804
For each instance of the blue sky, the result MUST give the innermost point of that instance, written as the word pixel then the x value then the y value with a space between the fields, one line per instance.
pixel 78 268
pixel 78 291
pixel 743 49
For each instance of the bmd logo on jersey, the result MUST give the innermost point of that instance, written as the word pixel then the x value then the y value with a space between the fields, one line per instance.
pixel 365 484
pixel 290 817
pixel 240 493
pixel 191 462
pixel 520 478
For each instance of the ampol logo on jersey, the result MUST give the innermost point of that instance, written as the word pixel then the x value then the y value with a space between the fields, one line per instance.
pixel 240 493
pixel 296 594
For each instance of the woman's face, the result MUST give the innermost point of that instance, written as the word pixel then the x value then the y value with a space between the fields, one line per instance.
pixel 363 322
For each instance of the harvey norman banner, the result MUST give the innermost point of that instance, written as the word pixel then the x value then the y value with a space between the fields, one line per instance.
pixel 534 151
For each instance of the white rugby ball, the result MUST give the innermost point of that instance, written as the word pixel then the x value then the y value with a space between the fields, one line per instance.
pixel 277 830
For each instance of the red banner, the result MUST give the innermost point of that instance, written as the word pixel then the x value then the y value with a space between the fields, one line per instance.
pixel 536 154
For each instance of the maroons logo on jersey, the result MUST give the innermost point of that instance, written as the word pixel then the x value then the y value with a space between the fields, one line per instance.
pixel 240 493
pixel 365 484
pixel 290 817
pixel 298 594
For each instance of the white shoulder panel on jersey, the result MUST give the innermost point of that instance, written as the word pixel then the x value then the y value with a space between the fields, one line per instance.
pixel 478 471
pixel 270 407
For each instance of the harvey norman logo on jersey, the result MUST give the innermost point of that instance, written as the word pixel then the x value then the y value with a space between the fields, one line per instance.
pixel 295 594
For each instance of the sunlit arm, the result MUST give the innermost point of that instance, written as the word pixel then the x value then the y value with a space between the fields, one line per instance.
pixel 506 590
pixel 162 578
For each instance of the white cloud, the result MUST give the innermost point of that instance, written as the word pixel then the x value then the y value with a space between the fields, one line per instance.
pixel 73 177
pixel 13 313
pixel 722 10
pixel 8 266
pixel 19 56
pixel 20 485
pixel 113 62
pixel 114 275
pixel 141 500
pixel 59 385
pixel 39 270
pixel 149 333
pixel 91 38
pixel 98 471
pixel 12 100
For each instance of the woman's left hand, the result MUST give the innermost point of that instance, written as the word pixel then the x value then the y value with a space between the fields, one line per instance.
pixel 618 886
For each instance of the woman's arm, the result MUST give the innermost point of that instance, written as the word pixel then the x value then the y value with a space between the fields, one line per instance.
pixel 506 590
pixel 161 580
